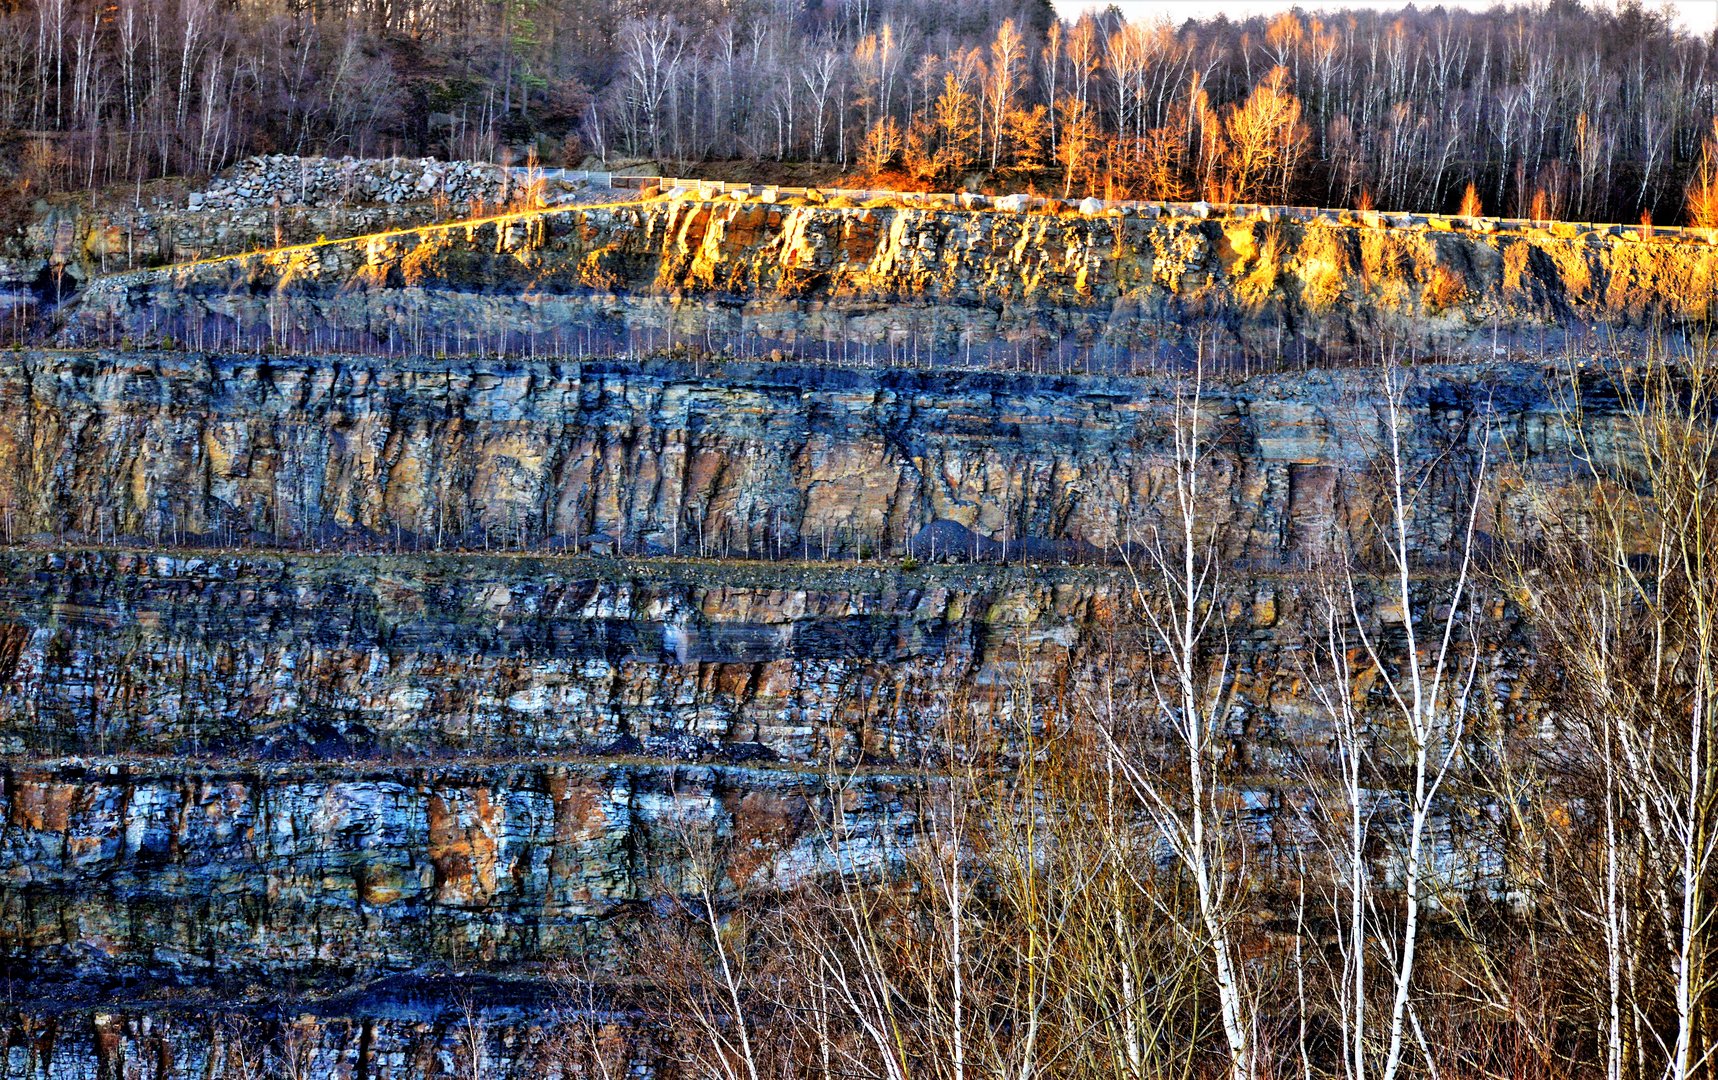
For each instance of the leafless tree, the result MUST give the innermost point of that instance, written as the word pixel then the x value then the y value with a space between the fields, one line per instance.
pixel 1427 685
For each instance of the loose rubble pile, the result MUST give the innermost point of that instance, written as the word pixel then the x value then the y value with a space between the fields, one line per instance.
pixel 312 181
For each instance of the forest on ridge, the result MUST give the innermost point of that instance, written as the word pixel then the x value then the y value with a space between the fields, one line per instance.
pixel 1558 110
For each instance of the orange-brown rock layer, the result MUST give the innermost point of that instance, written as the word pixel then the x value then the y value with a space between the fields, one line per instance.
pixel 920 283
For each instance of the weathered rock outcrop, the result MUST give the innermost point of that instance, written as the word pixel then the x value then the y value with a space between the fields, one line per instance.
pixel 979 286
pixel 519 726
pixel 188 872
pixel 390 1030
pixel 383 658
pixel 327 676
pixel 754 461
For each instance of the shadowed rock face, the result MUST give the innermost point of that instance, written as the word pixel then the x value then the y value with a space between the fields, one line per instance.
pixel 379 1032
pixel 384 658
pixel 315 752
pixel 186 872
pixel 965 286
pixel 747 461
pixel 305 657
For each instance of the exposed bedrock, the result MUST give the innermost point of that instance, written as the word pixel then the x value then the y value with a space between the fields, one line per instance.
pixel 746 461
pixel 382 657
pixel 272 720
pixel 394 1031
pixel 970 285
pixel 183 871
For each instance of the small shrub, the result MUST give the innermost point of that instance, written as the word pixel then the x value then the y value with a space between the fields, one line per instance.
pixel 1444 290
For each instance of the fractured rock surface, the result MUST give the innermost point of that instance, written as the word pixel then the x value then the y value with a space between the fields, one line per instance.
pixel 748 461
pixel 328 682
pixel 974 287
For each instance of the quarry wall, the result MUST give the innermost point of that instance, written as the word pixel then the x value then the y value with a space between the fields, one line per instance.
pixel 917 285
pixel 344 693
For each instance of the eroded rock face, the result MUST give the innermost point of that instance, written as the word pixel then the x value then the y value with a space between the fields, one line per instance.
pixel 187 872
pixel 380 1035
pixel 746 461
pixel 270 716
pixel 469 658
pixel 306 657
pixel 975 287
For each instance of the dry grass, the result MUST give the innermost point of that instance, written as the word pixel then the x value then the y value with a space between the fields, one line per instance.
pixel 1444 290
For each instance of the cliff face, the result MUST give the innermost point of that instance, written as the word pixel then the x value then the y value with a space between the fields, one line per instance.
pixel 380 1034
pixel 303 657
pixel 748 461
pixel 917 284
pixel 186 872
pixel 331 684
pixel 686 562
pixel 471 659
pixel 795 566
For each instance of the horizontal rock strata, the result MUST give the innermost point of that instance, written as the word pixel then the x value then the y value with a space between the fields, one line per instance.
pixel 746 461
pixel 375 658
pixel 184 871
pixel 279 737
pixel 911 284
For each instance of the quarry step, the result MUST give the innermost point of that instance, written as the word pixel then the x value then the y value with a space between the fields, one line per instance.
pixel 912 284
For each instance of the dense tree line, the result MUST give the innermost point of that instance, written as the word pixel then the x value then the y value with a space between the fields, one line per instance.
pixel 1562 108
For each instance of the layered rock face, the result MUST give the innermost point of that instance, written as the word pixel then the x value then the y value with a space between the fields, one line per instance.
pixel 382 659
pixel 767 593
pixel 189 873
pixel 909 284
pixel 307 657
pixel 831 559
pixel 345 694
pixel 391 1041
pixel 749 461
